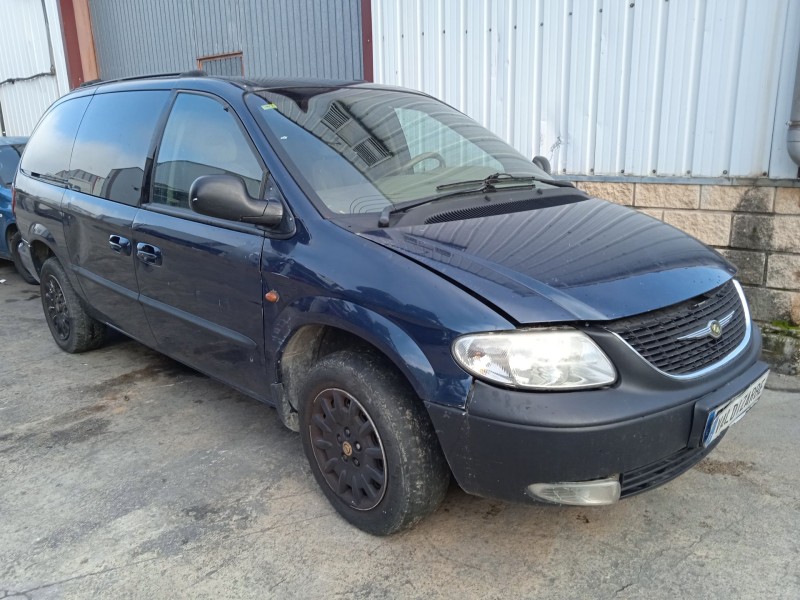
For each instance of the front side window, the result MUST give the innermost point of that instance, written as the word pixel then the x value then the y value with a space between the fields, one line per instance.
pixel 361 149
pixel 113 141
pixel 201 137
pixel 50 147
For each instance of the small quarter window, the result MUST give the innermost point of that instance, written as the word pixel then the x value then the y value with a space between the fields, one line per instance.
pixel 113 141
pixel 201 138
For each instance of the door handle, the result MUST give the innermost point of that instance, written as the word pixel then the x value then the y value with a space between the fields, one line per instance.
pixel 119 244
pixel 148 254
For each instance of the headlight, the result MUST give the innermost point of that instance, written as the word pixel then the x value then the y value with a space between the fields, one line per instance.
pixel 552 359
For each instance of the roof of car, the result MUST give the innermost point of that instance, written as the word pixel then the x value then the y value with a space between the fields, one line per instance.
pixel 199 81
pixel 252 83
pixel 274 83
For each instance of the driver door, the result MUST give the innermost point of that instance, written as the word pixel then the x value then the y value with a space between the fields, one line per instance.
pixel 200 277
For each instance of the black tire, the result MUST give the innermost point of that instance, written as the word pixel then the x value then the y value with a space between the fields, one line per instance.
pixel 375 416
pixel 73 330
pixel 13 242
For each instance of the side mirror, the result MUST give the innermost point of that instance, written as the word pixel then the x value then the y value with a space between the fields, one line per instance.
pixel 226 197
pixel 543 164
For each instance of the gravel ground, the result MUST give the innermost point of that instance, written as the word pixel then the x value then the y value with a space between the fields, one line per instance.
pixel 124 474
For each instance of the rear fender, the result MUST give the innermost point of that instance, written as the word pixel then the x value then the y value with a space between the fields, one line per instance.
pixel 38 233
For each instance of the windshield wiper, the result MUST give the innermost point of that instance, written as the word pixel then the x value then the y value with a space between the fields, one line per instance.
pixel 391 209
pixel 487 184
pixel 490 181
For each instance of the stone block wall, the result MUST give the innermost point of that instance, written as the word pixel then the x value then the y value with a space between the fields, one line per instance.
pixel 756 228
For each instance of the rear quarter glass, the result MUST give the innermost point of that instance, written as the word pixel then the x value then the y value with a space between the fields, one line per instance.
pixel 49 150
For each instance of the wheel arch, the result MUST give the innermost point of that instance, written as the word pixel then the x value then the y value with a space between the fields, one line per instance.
pixel 42 245
pixel 6 235
pixel 316 327
pixel 11 228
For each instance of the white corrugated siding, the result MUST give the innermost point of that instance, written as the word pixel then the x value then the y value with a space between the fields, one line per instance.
pixel 24 51
pixel 608 87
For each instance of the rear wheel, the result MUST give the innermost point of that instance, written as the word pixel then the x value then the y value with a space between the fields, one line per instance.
pixel 13 245
pixel 370 443
pixel 72 328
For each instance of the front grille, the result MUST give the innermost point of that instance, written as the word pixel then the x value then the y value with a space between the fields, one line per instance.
pixel 654 335
pixel 660 472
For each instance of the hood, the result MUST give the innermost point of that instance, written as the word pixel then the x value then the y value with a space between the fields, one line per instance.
pixel 587 260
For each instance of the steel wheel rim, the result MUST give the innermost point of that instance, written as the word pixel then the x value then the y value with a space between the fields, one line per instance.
pixel 348 449
pixel 57 309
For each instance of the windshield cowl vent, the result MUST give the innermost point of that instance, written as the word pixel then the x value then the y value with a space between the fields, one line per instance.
pixel 355 134
pixel 371 152
pixel 484 210
pixel 336 117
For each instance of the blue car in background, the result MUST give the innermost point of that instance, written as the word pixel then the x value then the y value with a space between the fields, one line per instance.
pixel 10 150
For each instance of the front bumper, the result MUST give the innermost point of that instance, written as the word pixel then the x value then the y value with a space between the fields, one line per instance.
pixel 647 429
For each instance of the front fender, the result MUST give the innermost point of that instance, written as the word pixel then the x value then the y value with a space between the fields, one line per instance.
pixel 450 388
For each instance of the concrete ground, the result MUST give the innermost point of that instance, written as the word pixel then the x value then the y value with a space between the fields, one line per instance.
pixel 124 474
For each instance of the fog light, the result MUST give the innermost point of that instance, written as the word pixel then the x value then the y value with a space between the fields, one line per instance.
pixel 578 493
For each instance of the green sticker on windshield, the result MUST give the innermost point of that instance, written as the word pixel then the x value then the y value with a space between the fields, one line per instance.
pixel 268 106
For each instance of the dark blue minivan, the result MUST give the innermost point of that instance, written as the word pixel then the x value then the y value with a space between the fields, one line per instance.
pixel 414 297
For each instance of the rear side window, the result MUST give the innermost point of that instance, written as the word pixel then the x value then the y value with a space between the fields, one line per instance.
pixel 48 151
pixel 201 137
pixel 113 141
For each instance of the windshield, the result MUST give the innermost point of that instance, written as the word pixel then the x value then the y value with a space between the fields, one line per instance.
pixel 362 149
pixel 9 159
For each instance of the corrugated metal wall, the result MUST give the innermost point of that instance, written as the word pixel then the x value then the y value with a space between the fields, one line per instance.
pixel 31 78
pixel 698 88
pixel 303 38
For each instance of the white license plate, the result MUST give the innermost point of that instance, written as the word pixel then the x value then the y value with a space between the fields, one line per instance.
pixel 734 409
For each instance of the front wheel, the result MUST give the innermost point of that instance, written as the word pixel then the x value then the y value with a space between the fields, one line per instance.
pixel 370 443
pixel 72 328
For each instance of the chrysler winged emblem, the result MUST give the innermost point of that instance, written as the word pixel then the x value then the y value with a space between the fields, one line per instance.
pixel 713 329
